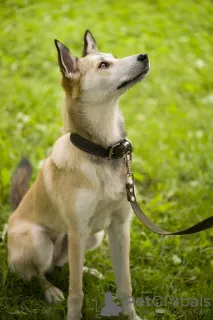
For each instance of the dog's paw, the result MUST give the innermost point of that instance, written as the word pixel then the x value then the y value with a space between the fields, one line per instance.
pixel 53 294
pixel 135 317
pixel 71 316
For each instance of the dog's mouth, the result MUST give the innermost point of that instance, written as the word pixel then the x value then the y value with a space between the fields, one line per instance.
pixel 139 77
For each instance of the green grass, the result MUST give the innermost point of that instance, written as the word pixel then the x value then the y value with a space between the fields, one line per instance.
pixel 168 118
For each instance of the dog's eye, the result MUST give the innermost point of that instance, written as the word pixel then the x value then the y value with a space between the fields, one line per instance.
pixel 103 65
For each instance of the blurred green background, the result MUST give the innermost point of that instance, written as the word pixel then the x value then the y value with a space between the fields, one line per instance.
pixel 168 118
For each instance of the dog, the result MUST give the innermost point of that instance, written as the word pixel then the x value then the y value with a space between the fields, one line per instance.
pixel 76 195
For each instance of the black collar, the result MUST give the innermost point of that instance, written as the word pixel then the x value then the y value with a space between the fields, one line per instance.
pixel 118 150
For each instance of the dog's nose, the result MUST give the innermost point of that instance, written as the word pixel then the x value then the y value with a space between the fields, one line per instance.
pixel 142 57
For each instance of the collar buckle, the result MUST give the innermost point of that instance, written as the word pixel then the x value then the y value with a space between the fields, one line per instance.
pixel 123 147
pixel 111 149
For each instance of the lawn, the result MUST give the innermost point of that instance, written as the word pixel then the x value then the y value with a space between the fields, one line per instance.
pixel 168 118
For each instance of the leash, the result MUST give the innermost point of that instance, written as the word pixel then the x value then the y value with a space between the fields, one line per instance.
pixel 130 187
pixel 123 149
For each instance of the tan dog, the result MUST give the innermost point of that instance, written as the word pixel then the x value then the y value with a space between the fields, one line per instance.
pixel 76 195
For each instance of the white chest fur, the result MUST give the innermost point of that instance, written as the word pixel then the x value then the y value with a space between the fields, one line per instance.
pixel 96 207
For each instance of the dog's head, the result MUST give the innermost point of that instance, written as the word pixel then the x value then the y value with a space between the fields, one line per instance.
pixel 99 77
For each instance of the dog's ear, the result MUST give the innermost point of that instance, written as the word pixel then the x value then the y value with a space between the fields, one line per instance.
pixel 89 44
pixel 66 61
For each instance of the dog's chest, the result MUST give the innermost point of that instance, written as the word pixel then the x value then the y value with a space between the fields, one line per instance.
pixel 97 206
pixel 102 216
pixel 108 180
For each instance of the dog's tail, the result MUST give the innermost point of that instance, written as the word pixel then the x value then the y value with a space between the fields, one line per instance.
pixel 20 182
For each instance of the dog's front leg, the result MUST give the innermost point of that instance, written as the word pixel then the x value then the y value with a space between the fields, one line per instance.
pixel 76 247
pixel 119 241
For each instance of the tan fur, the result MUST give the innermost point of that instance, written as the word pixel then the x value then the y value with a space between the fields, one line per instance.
pixel 76 196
